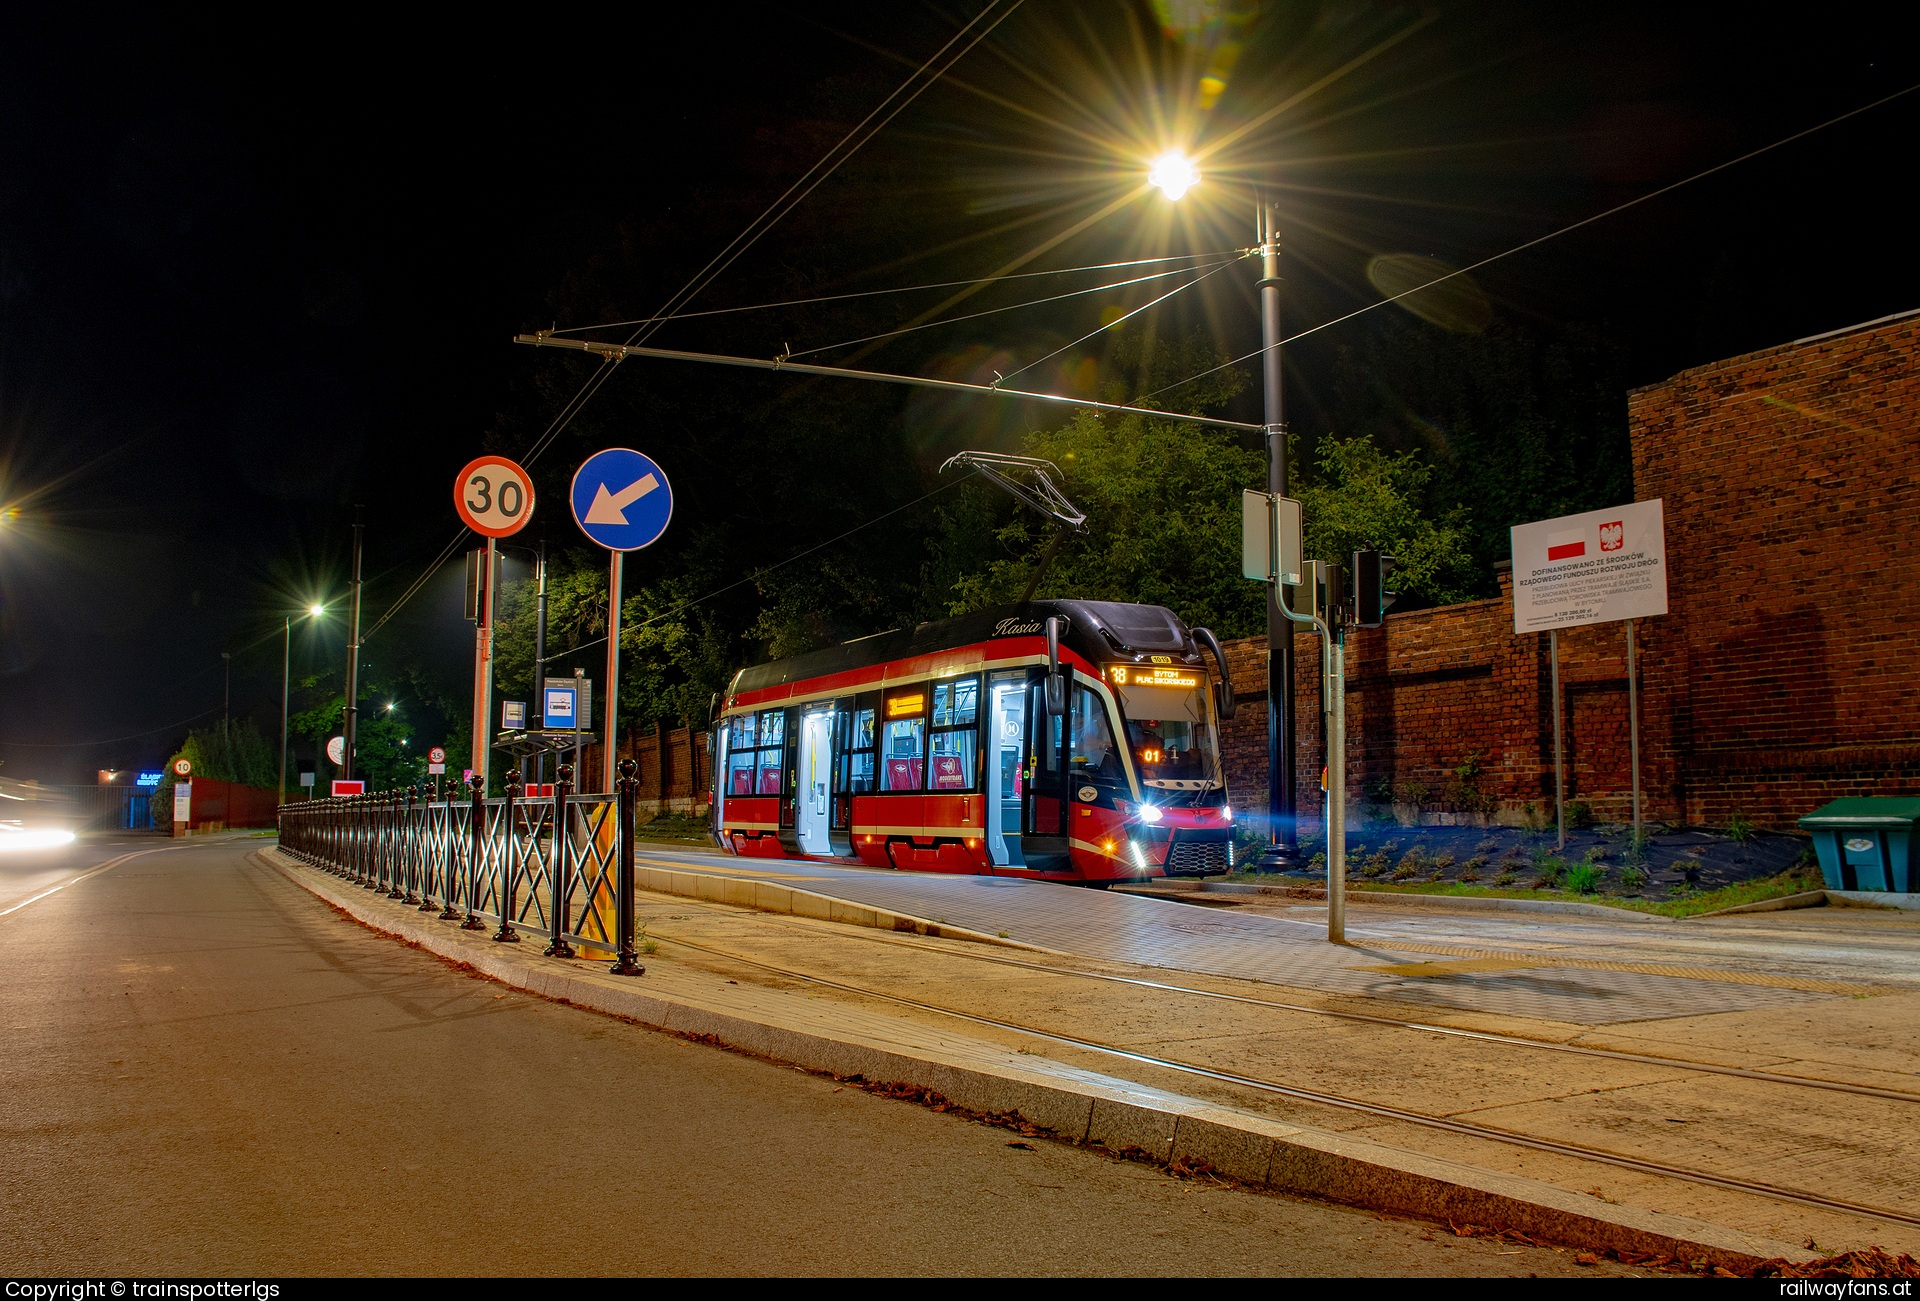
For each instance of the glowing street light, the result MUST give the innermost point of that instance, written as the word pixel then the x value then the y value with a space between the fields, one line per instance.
pixel 1173 174
pixel 314 611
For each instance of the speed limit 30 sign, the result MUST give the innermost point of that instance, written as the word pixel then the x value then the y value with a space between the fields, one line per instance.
pixel 494 497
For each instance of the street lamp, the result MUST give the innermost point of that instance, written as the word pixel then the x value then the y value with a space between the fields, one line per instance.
pixel 1174 174
pixel 286 677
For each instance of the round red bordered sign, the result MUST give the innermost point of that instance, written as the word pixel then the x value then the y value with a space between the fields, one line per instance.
pixel 436 755
pixel 494 497
pixel 182 767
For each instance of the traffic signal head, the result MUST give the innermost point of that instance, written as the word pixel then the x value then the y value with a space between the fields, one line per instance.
pixel 1370 595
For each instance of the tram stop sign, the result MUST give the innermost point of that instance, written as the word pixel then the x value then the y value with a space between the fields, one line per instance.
pixel 621 499
pixel 494 497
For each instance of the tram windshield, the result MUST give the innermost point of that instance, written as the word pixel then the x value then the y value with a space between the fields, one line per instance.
pixel 1170 726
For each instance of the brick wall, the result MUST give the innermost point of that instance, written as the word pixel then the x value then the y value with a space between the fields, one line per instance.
pixel 1787 672
pixel 675 770
pixel 1435 691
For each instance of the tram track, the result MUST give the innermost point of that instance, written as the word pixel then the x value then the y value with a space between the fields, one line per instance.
pixel 1423 1027
pixel 1470 1129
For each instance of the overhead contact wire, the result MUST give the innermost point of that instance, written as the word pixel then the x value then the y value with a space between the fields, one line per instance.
pixel 1542 239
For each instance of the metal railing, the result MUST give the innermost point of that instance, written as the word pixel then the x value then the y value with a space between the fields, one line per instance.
pixel 558 866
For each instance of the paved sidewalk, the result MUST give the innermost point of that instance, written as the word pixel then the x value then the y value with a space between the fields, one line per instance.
pixel 740 974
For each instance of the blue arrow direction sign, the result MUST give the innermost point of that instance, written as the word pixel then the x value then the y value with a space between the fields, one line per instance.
pixel 621 499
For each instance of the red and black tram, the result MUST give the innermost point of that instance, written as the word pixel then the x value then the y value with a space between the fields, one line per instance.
pixel 1068 740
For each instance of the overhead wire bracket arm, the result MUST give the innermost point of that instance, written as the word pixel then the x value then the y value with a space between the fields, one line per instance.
pixel 621 351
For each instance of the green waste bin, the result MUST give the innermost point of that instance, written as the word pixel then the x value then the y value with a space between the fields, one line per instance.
pixel 1866 843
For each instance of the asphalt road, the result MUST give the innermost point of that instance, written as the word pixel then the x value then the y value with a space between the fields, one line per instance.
pixel 209 1072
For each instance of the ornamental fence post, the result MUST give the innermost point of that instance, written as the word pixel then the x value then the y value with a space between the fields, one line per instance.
pixel 448 872
pixel 560 861
pixel 476 852
pixel 509 852
pixel 406 839
pixel 393 832
pixel 626 963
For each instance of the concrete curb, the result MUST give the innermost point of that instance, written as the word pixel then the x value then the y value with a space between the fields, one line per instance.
pixel 1084 1106
pixel 1363 897
pixel 772 897
pixel 1872 899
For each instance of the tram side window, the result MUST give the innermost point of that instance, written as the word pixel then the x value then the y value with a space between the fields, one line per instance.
pixel 956 736
pixel 1093 756
pixel 773 737
pixel 903 739
pixel 741 756
pixel 860 744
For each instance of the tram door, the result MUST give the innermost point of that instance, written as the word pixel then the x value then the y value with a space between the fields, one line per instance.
pixel 812 799
pixel 1044 838
pixel 1006 766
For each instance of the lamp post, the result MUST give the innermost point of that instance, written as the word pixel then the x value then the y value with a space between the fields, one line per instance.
pixel 349 732
pixel 1174 174
pixel 1282 818
pixel 286 680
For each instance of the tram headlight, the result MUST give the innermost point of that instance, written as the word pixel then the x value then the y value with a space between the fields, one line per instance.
pixel 1150 813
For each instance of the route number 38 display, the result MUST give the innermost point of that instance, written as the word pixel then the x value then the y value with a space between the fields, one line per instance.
pixel 494 497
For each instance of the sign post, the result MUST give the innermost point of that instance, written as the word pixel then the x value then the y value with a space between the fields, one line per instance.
pixel 622 501
pixel 1271 549
pixel 182 796
pixel 1602 566
pixel 494 498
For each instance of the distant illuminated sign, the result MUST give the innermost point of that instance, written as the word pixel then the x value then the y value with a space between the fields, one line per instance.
pixel 513 715
pixel 560 712
pixel 1126 675
pixel 903 706
pixel 147 778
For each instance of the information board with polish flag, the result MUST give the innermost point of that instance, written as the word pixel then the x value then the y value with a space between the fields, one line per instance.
pixel 1602 566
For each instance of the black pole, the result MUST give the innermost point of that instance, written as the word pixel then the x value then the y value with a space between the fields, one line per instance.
pixel 539 701
pixel 449 889
pixel 418 820
pixel 626 962
pixel 506 934
pixel 1282 819
pixel 476 851
pixel 562 861
pixel 353 657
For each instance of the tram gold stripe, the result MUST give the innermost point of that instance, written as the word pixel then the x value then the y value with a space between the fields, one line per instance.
pixel 1514 960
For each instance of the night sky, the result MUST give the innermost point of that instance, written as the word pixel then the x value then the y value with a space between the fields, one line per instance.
pixel 251 276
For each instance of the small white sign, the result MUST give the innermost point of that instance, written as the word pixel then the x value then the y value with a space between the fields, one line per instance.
pixel 436 768
pixel 306 779
pixel 183 802
pixel 1599 567
pixel 1265 519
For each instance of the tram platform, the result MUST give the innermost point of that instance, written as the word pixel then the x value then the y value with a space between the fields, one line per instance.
pixel 1733 1089
pixel 1573 969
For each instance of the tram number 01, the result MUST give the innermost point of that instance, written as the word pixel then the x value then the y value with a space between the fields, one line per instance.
pixel 511 498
